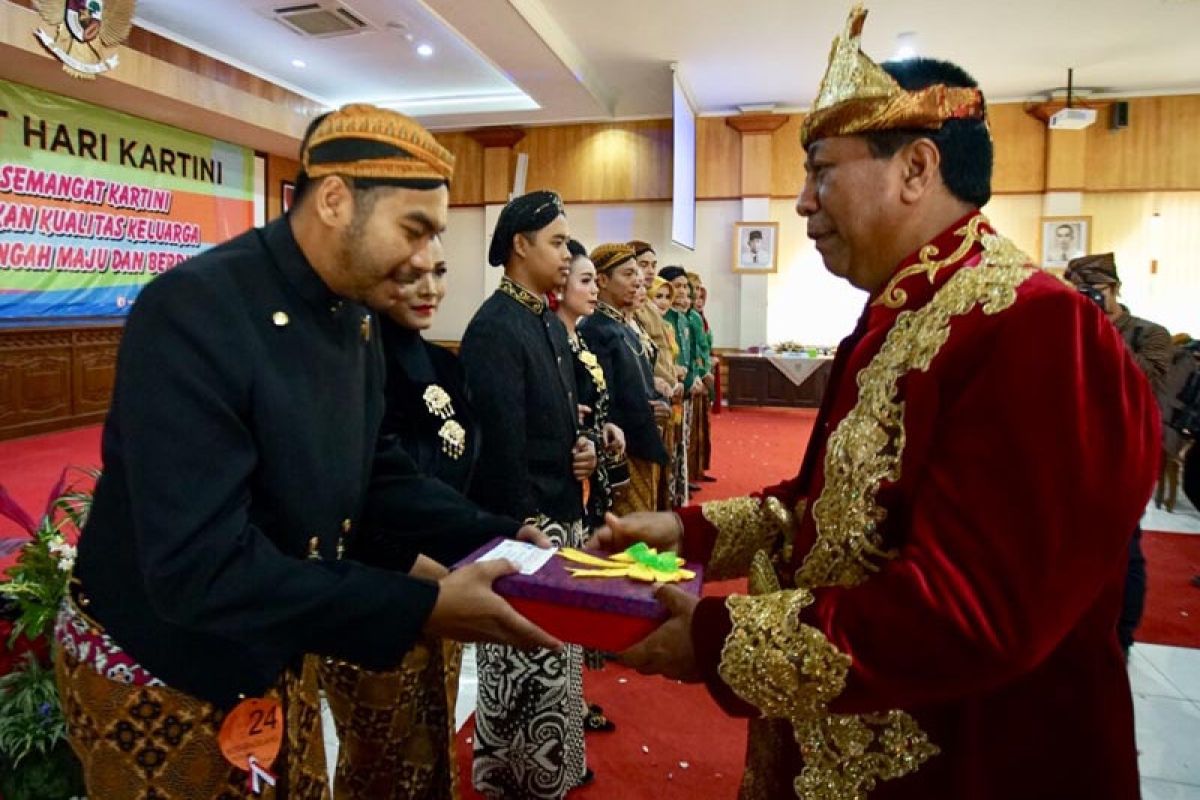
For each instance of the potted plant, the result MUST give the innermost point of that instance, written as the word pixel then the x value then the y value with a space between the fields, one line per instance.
pixel 36 762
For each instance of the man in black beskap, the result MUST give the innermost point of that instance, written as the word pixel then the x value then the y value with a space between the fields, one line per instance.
pixel 241 459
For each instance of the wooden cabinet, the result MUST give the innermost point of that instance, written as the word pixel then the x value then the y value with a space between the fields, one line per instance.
pixel 56 377
pixel 755 381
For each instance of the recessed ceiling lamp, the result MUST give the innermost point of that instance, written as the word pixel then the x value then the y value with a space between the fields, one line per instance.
pixel 424 50
pixel 298 64
pixel 401 28
pixel 906 46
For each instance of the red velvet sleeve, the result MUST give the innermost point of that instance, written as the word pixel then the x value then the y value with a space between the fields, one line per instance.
pixel 1038 472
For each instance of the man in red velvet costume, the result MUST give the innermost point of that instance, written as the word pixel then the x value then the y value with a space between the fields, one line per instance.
pixel 933 599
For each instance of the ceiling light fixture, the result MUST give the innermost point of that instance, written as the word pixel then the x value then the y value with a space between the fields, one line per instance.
pixel 424 50
pixel 298 64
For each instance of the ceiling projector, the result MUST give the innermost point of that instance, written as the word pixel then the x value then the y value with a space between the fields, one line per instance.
pixel 1072 119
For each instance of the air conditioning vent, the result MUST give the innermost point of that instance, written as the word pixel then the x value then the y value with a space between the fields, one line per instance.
pixel 320 20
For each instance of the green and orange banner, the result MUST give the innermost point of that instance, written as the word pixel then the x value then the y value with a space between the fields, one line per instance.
pixel 94 203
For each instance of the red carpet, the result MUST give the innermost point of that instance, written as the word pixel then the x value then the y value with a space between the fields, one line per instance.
pixel 1172 602
pixel 671 740
pixel 663 725
pixel 30 467
pixel 755 447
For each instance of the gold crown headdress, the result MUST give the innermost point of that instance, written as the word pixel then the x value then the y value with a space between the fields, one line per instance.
pixel 376 144
pixel 857 95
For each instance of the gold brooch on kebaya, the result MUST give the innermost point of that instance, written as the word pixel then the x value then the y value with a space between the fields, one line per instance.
pixel 437 401
pixel 454 438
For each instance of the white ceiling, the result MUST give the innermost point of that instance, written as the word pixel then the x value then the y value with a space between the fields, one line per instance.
pixel 531 61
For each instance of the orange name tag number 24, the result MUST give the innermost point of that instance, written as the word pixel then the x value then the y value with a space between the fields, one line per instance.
pixel 252 730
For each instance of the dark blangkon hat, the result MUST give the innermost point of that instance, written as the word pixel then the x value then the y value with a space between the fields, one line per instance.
pixel 529 212
pixel 671 273
pixel 1097 270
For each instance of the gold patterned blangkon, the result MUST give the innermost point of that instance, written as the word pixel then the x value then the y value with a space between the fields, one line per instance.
pixel 857 96
pixel 417 156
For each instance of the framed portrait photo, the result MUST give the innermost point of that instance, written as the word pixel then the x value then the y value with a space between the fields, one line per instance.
pixel 287 190
pixel 1064 238
pixel 755 247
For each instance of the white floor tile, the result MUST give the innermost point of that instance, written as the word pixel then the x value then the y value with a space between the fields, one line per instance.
pixel 1153 789
pixel 1179 665
pixel 1184 519
pixel 1146 681
pixel 468 689
pixel 329 729
pixel 1167 733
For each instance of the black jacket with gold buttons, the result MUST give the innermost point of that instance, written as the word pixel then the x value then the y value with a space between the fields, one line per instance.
pixel 521 378
pixel 241 452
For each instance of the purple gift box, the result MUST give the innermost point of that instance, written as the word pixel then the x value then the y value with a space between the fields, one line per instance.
pixel 607 614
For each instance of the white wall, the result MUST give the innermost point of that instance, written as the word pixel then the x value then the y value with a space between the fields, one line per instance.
pixel 593 224
pixel 465 264
pixel 805 303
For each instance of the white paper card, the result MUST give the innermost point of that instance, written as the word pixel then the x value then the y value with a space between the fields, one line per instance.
pixel 529 558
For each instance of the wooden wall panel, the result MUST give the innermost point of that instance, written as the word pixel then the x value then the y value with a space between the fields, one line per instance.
pixel 498 170
pixel 787 159
pixel 467 187
pixel 37 378
pixel 1066 161
pixel 756 165
pixel 608 162
pixel 718 159
pixel 55 378
pixel 1159 150
pixel 93 369
pixel 1020 147
pixel 279 169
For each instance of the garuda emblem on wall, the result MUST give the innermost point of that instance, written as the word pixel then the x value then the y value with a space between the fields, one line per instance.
pixel 84 34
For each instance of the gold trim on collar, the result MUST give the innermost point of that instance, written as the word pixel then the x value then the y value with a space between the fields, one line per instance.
pixel 929 264
pixel 522 295
pixel 610 312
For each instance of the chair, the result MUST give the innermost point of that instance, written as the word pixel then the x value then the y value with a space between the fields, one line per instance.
pixel 1167 490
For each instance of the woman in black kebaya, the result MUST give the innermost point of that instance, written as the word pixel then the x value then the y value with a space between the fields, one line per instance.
pixel 413 706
